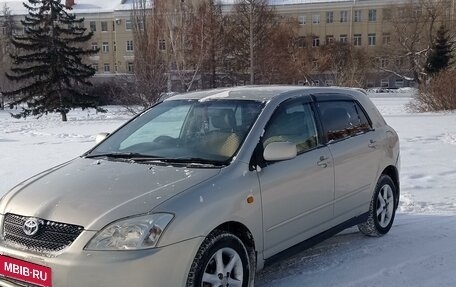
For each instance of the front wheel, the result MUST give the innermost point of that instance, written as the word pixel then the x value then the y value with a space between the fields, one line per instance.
pixel 221 261
pixel 382 208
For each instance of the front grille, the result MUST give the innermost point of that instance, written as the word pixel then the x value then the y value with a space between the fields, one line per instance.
pixel 51 236
pixel 17 282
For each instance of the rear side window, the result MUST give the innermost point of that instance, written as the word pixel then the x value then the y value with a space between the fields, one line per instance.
pixel 342 119
pixel 293 122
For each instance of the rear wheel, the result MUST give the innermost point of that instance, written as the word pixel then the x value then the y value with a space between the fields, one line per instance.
pixel 382 208
pixel 221 261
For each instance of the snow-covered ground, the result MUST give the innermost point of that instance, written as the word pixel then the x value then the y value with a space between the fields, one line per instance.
pixel 420 250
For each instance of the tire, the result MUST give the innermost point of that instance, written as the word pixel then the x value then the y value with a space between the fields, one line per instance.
pixel 204 273
pixel 382 208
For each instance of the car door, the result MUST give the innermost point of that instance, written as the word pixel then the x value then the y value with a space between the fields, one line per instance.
pixel 352 143
pixel 297 194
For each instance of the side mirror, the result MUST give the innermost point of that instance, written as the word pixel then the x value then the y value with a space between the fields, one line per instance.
pixel 280 151
pixel 100 137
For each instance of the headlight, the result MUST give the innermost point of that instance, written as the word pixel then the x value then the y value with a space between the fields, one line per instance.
pixel 133 233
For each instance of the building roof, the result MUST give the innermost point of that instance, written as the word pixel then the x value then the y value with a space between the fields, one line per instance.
pixel 80 7
pixel 106 6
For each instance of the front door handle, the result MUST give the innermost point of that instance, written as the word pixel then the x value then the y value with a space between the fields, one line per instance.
pixel 323 162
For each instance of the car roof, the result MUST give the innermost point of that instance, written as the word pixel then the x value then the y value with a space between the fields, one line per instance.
pixel 255 93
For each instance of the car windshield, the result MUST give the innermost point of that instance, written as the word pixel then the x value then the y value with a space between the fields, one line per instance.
pixel 204 132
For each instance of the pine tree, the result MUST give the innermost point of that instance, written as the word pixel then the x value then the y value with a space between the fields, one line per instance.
pixel 48 63
pixel 440 57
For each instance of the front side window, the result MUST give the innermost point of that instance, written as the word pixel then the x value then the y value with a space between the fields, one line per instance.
pixel 316 18
pixel 343 119
pixel 182 130
pixel 292 122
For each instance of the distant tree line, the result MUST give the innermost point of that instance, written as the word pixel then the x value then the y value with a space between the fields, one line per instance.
pixel 187 47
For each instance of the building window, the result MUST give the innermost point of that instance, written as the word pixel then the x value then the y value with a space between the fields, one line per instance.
pixel 130 68
pixel 370 83
pixel 115 68
pixel 343 38
pixel 385 83
pixel 387 15
pixel 107 68
pixel 301 42
pixel 329 39
pixel 162 45
pixel 315 42
pixel 105 47
pixel 104 26
pixel 93 26
pixel 302 20
pixel 372 15
pixel 399 83
pixel 386 39
pixel 316 18
pixel 113 25
pixel 329 17
pixel 129 45
pixel 95 67
pixel 357 16
pixel 371 39
pixel 94 46
pixel 114 47
pixel 357 40
pixel 128 25
pixel 343 16
pixel 329 83
pixel 384 62
pixel 139 24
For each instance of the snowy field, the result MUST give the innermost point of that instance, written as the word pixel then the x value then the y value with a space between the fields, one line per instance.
pixel 420 249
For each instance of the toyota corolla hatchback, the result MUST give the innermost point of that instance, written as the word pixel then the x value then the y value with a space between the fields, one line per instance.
pixel 203 189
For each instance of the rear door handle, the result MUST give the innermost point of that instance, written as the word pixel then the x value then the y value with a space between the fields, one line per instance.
pixel 323 162
pixel 372 143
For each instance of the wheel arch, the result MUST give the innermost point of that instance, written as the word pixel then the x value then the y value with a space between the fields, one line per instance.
pixel 393 173
pixel 245 235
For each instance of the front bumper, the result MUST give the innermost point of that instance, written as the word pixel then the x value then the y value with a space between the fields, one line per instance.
pixel 76 267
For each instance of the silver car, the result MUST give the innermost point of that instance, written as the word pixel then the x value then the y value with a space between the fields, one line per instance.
pixel 203 189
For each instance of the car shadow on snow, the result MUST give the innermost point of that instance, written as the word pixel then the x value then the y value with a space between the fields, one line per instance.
pixel 352 259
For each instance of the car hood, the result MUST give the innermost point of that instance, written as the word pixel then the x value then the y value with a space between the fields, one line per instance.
pixel 93 193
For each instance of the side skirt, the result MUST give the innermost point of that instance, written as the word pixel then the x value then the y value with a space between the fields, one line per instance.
pixel 316 239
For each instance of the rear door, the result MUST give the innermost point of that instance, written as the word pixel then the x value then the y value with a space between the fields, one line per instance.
pixel 297 194
pixel 352 143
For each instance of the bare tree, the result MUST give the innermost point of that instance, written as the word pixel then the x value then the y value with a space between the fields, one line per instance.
pixel 249 27
pixel 413 27
pixel 150 80
pixel 347 65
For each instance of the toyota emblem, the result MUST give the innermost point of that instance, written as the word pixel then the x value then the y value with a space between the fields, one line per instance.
pixel 31 226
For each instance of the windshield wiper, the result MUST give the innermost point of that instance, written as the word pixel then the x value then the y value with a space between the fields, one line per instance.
pixel 196 160
pixel 124 155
